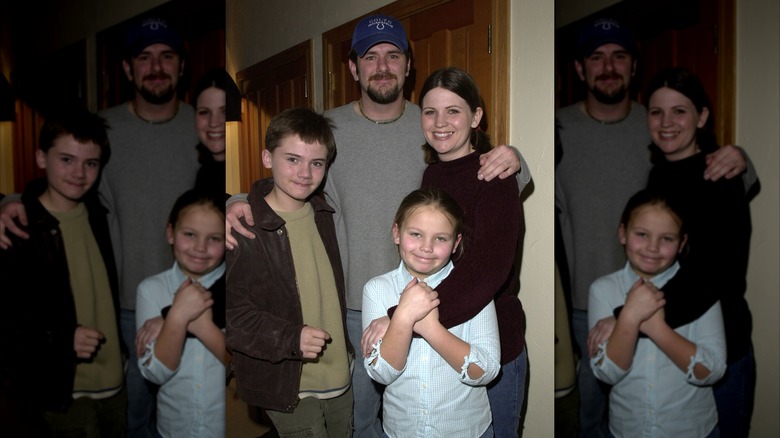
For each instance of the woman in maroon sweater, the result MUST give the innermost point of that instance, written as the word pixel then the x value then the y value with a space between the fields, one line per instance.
pixel 452 122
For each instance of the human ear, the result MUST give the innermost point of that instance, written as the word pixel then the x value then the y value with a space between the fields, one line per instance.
pixel 40 159
pixel 477 118
pixel 578 67
pixel 354 70
pixel 396 234
pixel 703 116
pixel 683 241
pixel 457 242
pixel 169 233
pixel 267 162
pixel 622 234
pixel 128 70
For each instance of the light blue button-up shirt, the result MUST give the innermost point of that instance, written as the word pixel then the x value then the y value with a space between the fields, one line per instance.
pixel 428 398
pixel 654 398
pixel 191 400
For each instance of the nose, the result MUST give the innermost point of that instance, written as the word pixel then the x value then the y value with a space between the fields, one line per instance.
pixel 155 63
pixel 652 245
pixel 200 245
pixel 441 120
pixel 80 171
pixel 609 64
pixel 216 119
pixel 426 246
pixel 666 119
pixel 381 64
pixel 304 172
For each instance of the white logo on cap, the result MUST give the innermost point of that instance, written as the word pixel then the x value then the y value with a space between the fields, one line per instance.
pixel 606 24
pixel 153 23
pixel 380 23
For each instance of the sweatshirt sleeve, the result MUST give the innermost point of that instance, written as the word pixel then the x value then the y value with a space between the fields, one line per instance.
pixel 489 250
pixel 707 275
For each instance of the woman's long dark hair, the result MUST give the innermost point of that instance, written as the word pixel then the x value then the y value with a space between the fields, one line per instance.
pixel 689 85
pixel 459 82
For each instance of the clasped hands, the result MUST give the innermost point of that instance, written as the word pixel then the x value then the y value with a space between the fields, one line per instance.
pixel 419 303
pixel 645 306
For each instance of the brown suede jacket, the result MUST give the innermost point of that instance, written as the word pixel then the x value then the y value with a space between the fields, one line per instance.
pixel 38 317
pixel 263 310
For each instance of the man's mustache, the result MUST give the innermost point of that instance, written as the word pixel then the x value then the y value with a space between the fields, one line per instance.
pixel 383 76
pixel 608 76
pixel 156 76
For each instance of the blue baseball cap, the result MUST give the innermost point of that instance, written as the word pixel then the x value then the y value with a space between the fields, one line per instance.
pixel 604 31
pixel 376 29
pixel 152 31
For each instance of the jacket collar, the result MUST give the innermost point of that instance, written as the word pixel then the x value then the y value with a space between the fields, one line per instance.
pixel 265 217
pixel 34 189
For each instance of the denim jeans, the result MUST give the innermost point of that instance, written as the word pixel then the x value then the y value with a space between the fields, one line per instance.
pixel 367 393
pixel 506 394
pixel 734 397
pixel 593 396
pixel 714 434
pixel 141 397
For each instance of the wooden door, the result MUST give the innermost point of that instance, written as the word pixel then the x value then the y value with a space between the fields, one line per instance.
pixel 470 34
pixel 37 93
pixel 695 34
pixel 270 86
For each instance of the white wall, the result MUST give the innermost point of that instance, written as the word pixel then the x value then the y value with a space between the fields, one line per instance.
pixel 257 30
pixel 758 131
pixel 531 112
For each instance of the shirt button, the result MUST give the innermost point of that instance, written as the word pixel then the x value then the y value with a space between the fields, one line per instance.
pixel 424 386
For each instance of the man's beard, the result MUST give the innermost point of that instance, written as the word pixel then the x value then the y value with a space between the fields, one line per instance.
pixel 386 96
pixel 609 98
pixel 157 97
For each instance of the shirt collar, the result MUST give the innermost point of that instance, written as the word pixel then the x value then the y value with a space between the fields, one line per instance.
pixel 432 280
pixel 206 281
pixel 659 280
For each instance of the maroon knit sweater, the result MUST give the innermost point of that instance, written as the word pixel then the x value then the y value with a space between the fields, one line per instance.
pixel 485 271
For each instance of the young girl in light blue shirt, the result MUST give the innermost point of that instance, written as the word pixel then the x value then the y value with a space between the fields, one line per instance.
pixel 661 377
pixel 435 382
pixel 188 356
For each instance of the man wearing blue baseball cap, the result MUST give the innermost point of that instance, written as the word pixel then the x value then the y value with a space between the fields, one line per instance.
pixel 152 138
pixel 378 163
pixel 604 161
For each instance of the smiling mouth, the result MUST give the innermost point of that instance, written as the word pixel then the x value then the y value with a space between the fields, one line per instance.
pixel 442 135
pixel 199 260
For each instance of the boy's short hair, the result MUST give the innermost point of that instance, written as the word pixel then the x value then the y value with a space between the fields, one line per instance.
pixel 83 125
pixel 307 124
